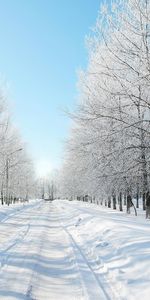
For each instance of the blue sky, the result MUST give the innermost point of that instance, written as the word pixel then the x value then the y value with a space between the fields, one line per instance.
pixel 42 45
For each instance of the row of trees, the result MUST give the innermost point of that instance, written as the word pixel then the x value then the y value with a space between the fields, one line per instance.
pixel 17 180
pixel 108 152
pixel 47 187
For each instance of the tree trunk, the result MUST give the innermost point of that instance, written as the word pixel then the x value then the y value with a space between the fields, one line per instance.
pixel 109 202
pixel 137 200
pixel 125 199
pixel 2 197
pixel 114 202
pixel 143 200
pixel 120 202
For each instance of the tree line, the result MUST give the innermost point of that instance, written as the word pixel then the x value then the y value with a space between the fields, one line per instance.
pixel 107 155
pixel 17 181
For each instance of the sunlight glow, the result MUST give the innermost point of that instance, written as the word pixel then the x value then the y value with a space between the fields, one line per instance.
pixel 43 168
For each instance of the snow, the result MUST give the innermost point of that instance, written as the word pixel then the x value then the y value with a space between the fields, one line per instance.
pixel 73 250
pixel 115 245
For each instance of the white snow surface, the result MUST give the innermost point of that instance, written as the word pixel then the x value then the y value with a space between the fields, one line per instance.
pixel 73 250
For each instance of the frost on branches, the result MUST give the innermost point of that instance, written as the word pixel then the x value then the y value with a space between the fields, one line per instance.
pixel 16 168
pixel 108 153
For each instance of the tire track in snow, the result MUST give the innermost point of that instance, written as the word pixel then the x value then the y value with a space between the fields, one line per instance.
pixel 19 236
pixel 99 294
pixel 68 252
pixel 111 290
pixel 26 219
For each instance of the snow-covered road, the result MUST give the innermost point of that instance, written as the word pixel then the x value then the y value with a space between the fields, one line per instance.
pixel 39 260
pixel 36 260
pixel 69 251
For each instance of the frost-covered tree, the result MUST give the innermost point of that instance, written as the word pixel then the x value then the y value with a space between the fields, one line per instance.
pixel 16 169
pixel 109 146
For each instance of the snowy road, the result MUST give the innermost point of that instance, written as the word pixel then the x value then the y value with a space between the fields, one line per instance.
pixel 73 251
pixel 36 258
pixel 39 260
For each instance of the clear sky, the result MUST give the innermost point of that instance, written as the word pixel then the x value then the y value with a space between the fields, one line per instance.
pixel 42 45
